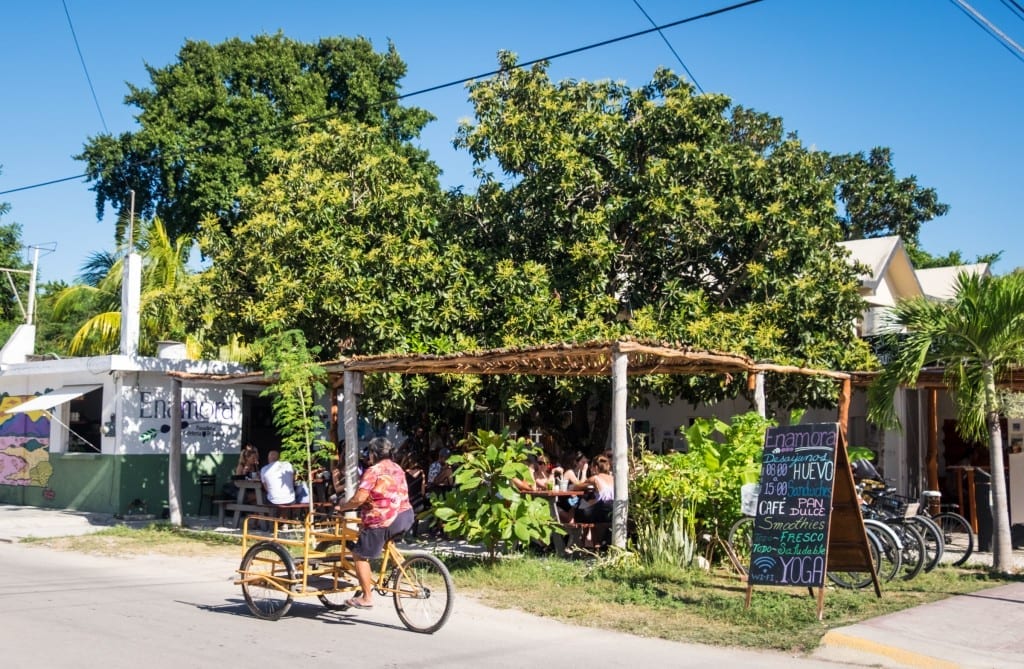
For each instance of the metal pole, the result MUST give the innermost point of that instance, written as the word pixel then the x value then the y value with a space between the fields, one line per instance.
pixel 32 287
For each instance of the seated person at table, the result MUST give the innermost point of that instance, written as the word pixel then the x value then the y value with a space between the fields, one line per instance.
pixel 538 473
pixel 383 502
pixel 248 467
pixel 278 478
pixel 599 508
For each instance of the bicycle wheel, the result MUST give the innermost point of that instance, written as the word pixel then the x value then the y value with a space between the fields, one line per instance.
pixel 914 552
pixel 859 579
pixel 334 601
pixel 890 549
pixel 424 592
pixel 741 539
pixel 958 538
pixel 933 540
pixel 267 570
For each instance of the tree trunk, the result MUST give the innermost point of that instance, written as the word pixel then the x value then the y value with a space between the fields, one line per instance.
pixel 1002 548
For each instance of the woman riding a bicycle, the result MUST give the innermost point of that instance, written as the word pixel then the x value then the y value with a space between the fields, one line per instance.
pixel 383 502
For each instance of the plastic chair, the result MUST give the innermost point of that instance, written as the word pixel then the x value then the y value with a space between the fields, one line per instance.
pixel 207 491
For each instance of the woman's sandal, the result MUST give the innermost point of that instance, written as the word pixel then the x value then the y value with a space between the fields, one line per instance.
pixel 352 603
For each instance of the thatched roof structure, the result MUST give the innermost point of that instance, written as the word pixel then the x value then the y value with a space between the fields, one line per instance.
pixel 562 359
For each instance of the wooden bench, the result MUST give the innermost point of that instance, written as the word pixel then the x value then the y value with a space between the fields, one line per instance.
pixel 237 509
pixel 575 534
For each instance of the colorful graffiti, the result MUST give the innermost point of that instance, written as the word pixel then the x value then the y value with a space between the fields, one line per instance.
pixel 24 442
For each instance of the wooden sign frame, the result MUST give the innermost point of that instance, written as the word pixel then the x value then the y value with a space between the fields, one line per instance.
pixel 846 543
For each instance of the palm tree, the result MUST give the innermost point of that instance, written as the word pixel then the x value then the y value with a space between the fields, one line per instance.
pixel 977 337
pixel 165 276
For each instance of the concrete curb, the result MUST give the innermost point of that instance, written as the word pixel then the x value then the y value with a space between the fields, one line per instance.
pixel 841 647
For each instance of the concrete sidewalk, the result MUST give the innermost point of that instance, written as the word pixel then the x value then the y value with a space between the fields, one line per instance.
pixel 984 629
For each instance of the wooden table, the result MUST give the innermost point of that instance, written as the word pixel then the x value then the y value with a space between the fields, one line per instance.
pixel 240 505
pixel 552 496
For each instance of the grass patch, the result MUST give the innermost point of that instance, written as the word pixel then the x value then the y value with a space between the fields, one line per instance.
pixel 613 593
pixel 155 538
pixel 693 606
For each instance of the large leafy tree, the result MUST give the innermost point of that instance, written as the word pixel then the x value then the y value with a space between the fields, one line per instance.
pixel 873 201
pixel 210 122
pixel 664 214
pixel 343 241
pixel 977 337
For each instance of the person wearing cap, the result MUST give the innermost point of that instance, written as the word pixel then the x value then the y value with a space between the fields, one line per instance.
pixel 383 502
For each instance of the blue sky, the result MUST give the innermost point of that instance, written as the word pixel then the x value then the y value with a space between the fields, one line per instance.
pixel 846 75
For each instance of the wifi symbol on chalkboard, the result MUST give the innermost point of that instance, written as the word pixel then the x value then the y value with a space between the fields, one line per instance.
pixel 764 564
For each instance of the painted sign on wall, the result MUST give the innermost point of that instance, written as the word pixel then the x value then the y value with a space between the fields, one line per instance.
pixel 211 419
pixel 24 438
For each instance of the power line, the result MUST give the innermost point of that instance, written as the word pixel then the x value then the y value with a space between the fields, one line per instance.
pixel 991 29
pixel 670 47
pixel 449 84
pixel 1014 7
pixel 88 79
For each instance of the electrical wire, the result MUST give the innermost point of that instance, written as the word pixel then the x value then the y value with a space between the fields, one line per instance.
pixel 669 45
pixel 990 28
pixel 88 79
pixel 1014 7
pixel 449 84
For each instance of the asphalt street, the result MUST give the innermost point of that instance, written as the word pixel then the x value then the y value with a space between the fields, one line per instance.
pixel 60 609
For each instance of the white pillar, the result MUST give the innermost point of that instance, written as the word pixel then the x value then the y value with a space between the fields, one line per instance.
pixel 131 298
pixel 350 418
pixel 174 462
pixel 620 464
pixel 759 399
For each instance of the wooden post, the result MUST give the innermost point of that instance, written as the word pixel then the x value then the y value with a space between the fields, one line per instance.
pixel 351 418
pixel 932 456
pixel 755 384
pixel 174 457
pixel 620 466
pixel 844 407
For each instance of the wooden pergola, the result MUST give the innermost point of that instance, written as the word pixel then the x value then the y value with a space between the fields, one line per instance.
pixel 618 359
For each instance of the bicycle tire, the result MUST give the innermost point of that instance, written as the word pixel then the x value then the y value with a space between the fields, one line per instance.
pixel 890 558
pixel 958 537
pixel 914 551
pixel 741 540
pixel 423 592
pixel 263 568
pixel 933 540
pixel 856 580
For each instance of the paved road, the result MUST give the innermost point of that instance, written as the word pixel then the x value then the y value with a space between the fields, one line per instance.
pixel 62 609
pixel 58 609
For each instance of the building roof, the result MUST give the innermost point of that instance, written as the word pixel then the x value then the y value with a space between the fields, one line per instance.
pixel 886 258
pixel 939 283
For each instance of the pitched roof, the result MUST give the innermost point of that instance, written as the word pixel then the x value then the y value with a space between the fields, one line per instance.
pixel 939 283
pixel 884 256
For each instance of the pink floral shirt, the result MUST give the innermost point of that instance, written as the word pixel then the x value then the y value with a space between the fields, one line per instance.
pixel 389 494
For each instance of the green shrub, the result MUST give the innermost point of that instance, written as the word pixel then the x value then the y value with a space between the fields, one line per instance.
pixel 484 507
pixel 674 498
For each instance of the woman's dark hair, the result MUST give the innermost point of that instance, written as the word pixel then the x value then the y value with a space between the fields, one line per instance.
pixel 381 448
pixel 602 465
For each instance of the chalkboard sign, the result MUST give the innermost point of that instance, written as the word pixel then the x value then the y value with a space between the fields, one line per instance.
pixel 792 524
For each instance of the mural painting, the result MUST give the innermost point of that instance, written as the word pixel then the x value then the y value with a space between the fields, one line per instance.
pixel 24 441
